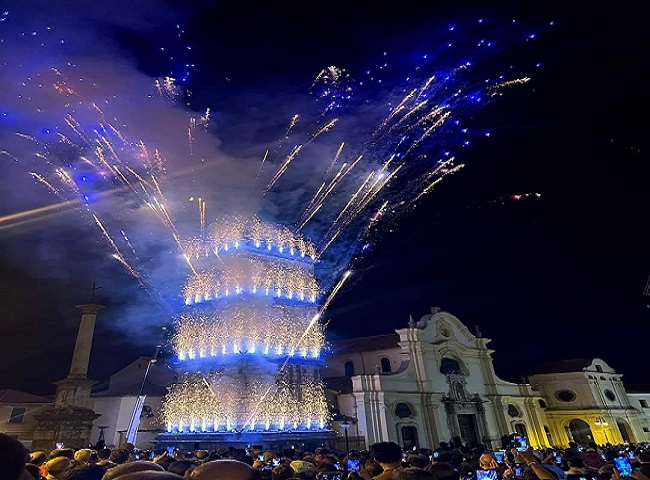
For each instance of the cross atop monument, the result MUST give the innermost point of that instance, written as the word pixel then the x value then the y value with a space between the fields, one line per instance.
pixel 93 289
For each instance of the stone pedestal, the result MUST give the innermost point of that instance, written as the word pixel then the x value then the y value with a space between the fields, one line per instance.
pixel 70 420
pixel 69 425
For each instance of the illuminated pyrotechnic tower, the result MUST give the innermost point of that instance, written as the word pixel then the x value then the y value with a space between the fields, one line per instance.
pixel 248 341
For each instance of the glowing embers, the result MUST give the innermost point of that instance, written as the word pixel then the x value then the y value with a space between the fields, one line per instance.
pixel 232 232
pixel 253 275
pixel 237 403
pixel 267 330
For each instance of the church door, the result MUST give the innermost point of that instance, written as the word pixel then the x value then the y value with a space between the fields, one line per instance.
pixel 468 428
pixel 409 437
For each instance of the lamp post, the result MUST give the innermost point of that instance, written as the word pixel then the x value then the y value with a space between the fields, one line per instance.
pixel 345 425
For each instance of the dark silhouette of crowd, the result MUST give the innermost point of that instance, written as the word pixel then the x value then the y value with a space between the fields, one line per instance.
pixel 382 461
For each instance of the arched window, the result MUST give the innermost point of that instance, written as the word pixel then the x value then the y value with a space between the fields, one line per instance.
pixel 385 365
pixel 449 365
pixel 520 428
pixel 349 369
pixel 542 404
pixel 513 411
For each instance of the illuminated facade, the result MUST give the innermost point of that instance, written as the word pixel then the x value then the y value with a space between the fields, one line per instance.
pixel 434 380
pixel 248 340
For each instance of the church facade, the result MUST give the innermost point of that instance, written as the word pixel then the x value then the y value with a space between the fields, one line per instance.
pixel 434 380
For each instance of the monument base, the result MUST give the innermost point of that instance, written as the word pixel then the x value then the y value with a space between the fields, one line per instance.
pixel 299 440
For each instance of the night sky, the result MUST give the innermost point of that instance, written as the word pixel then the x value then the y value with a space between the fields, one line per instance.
pixel 539 240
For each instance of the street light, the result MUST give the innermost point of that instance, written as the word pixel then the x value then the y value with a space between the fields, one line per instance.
pixel 345 425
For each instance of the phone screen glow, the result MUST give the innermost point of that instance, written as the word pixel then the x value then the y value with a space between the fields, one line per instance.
pixel 623 466
pixel 486 475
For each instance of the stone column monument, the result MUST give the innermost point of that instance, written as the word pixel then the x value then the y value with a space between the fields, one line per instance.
pixel 70 420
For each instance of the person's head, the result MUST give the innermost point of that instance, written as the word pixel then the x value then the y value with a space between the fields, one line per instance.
pixel 129 467
pixel 104 454
pixel 386 452
pixel 487 460
pixel 414 473
pixel 226 469
pixel 417 461
pixel 148 475
pixel 85 472
pixel 269 455
pixel 444 471
pixel 575 462
pixel 373 468
pixel 201 455
pixel 61 452
pixel 330 459
pixel 320 453
pixel 84 455
pixel 58 465
pixel 37 458
pixel 13 456
pixel 282 472
pixel 444 457
pixel 303 468
pixel 34 470
pixel 180 467
pixel 289 453
pixel 119 456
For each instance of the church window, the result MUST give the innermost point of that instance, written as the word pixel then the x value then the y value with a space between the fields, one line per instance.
pixel 402 410
pixel 17 415
pixel 520 429
pixel 610 395
pixel 385 365
pixel 449 365
pixel 646 429
pixel 599 368
pixel 542 404
pixel 565 395
pixel 349 369
pixel 512 411
pixel 644 403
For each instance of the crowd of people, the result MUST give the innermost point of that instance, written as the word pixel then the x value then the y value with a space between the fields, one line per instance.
pixel 382 461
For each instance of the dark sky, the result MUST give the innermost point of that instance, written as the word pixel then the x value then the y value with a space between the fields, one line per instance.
pixel 539 240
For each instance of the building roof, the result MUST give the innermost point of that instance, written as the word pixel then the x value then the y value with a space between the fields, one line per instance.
pixel 131 390
pixel 364 344
pixel 563 366
pixel 9 395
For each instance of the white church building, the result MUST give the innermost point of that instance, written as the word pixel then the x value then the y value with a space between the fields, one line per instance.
pixel 434 380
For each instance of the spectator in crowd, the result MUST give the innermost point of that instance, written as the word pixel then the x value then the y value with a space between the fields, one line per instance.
pixel 181 467
pixel 389 456
pixel 224 469
pixel 282 472
pixel 414 473
pixel 133 466
pixel 33 470
pixel 119 456
pixel 13 456
pixel 57 467
pixel 103 458
pixel 303 469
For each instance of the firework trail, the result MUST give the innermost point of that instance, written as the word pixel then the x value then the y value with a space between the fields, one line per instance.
pixel 409 112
